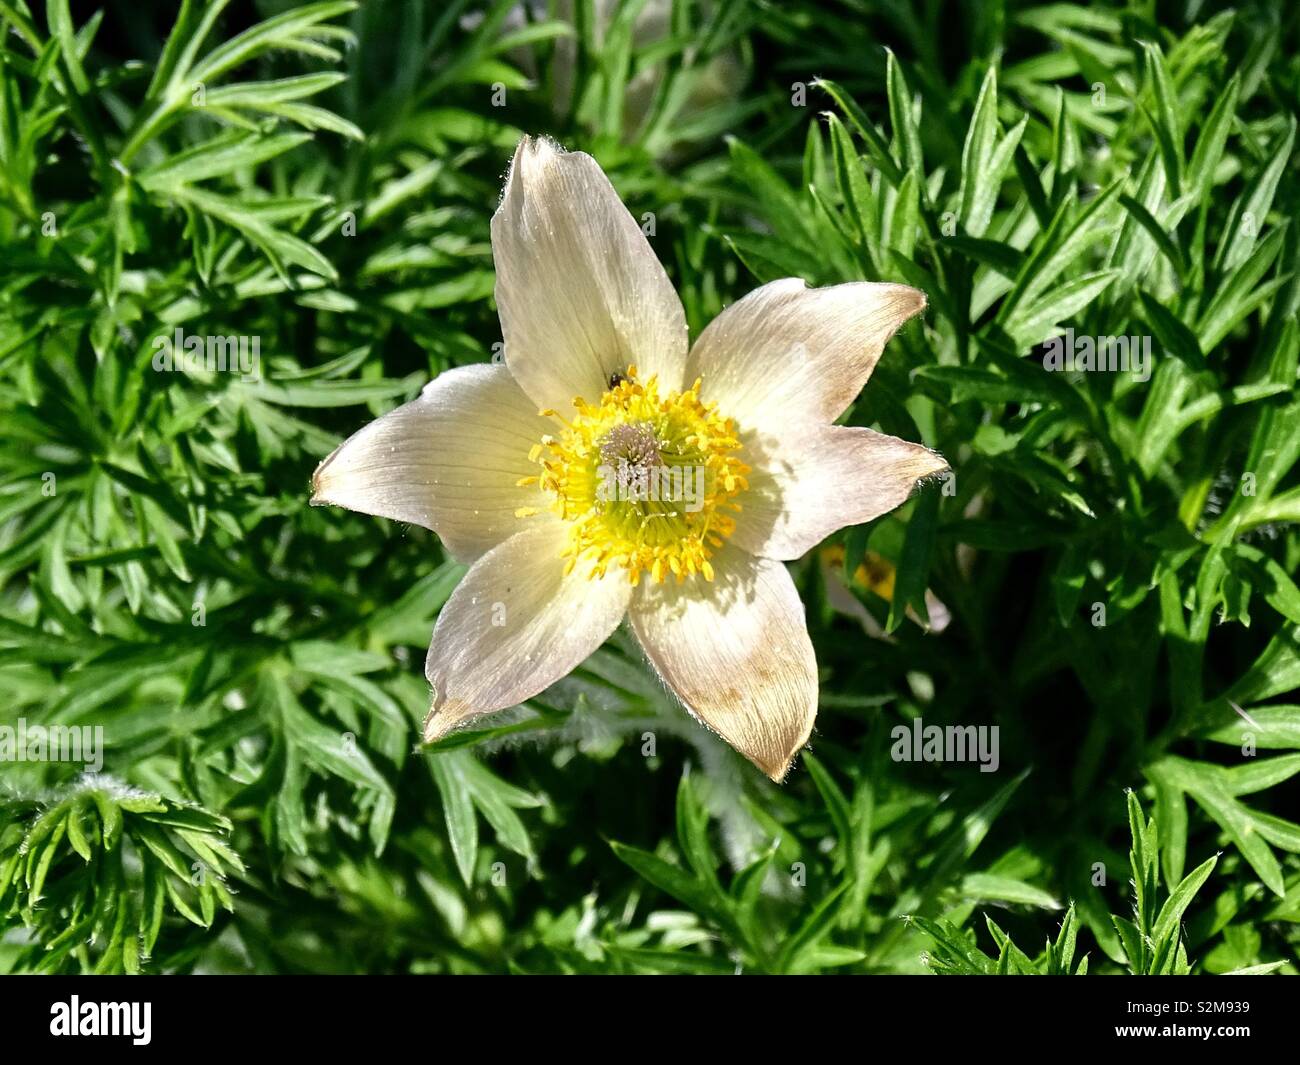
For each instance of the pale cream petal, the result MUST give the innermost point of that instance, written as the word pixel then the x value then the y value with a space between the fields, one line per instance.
pixel 580 292
pixel 787 352
pixel 515 625
pixel 736 652
pixel 450 460
pixel 808 482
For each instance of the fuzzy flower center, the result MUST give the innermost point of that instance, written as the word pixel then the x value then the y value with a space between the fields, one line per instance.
pixel 644 480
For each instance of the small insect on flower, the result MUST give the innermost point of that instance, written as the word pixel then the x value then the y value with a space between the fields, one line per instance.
pixel 610 469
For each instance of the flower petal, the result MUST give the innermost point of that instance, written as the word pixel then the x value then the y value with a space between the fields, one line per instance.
pixel 580 292
pixel 788 352
pixel 736 652
pixel 449 460
pixel 806 484
pixel 515 625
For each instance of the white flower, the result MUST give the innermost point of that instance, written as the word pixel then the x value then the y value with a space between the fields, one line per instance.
pixel 511 466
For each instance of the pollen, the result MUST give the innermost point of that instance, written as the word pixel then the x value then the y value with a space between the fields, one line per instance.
pixel 646 481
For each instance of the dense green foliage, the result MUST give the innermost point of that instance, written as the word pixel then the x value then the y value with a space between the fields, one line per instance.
pixel 1113 556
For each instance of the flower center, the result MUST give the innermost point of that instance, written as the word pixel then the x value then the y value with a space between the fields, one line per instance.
pixel 644 480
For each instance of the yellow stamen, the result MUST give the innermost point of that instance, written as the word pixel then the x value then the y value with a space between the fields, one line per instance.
pixel 642 479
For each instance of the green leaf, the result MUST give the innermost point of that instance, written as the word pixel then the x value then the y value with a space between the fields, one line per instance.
pixel 809 934
pixel 1165 123
pixel 216 158
pixel 1269 727
pixel 1250 211
pixel 458 809
pixel 1212 139
pixel 1180 898
pixel 912 577
pixel 672 880
pixel 1063 243
pixel 877 147
pixel 986 886
pixel 902 117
